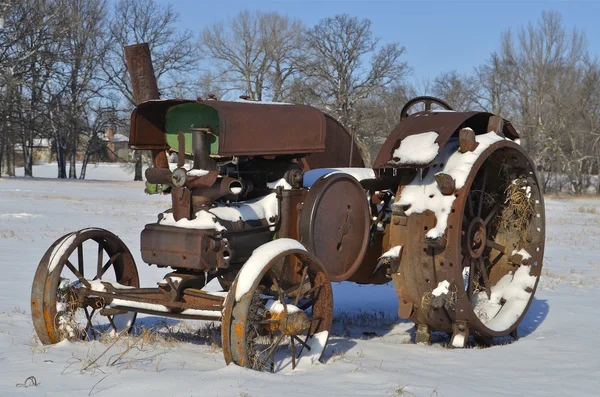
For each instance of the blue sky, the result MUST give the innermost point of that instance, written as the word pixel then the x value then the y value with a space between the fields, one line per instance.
pixel 438 35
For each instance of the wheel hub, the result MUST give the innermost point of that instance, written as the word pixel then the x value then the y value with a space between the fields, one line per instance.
pixel 294 323
pixel 476 237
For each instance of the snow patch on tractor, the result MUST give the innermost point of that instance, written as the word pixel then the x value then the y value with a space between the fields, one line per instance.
pixel 360 174
pixel 265 207
pixel 58 251
pixel 258 260
pixel 423 194
pixel 418 149
pixel 508 299
pixel 279 183
pixel 277 307
pixel 197 172
pixel 441 289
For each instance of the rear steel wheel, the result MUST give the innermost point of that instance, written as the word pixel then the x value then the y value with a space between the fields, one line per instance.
pixel 82 259
pixel 278 313
pixel 500 244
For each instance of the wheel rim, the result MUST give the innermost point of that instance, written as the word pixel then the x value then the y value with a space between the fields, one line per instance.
pixel 81 259
pixel 501 242
pixel 285 321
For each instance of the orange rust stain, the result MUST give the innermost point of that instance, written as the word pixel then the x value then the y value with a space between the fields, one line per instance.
pixel 238 328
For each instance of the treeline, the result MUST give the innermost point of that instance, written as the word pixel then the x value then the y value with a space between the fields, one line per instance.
pixel 63 77
pixel 63 74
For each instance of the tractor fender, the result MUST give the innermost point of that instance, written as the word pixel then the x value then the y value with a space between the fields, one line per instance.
pixel 445 123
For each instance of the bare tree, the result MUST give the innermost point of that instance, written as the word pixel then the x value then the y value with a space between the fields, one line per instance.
pixel 256 53
pixel 347 65
pixel 28 29
pixel 76 83
pixel 145 21
pixel 543 64
pixel 456 89
pixel 173 54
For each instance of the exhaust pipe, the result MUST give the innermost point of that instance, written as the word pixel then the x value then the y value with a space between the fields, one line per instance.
pixel 223 187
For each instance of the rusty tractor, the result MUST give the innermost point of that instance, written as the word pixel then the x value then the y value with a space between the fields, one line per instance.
pixel 274 202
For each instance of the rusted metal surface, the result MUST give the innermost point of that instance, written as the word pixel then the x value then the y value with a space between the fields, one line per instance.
pixel 345 234
pixel 184 248
pixel 427 101
pixel 446 124
pixel 472 240
pixel 251 129
pixel 334 224
pixel 338 144
pixel 144 86
pixel 141 72
pixel 147 128
pixel 245 319
pixel 45 283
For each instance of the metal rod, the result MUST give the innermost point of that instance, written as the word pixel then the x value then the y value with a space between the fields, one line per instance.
pixel 168 314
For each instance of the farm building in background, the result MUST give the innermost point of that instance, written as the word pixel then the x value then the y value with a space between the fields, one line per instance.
pixel 40 149
pixel 117 146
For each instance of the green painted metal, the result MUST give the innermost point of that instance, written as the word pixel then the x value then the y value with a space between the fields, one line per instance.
pixel 181 118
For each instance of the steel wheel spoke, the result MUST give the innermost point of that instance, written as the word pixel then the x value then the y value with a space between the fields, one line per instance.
pixel 303 343
pixel 271 350
pixel 488 218
pixel 89 326
pixel 77 274
pixel 484 275
pixel 293 351
pixel 80 258
pixel 100 259
pixel 471 280
pixel 269 321
pixel 278 287
pixel 112 323
pixel 482 192
pixel 108 264
pixel 304 273
pixel 470 206
pixel 496 246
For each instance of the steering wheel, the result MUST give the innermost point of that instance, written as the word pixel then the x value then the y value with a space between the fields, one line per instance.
pixel 427 100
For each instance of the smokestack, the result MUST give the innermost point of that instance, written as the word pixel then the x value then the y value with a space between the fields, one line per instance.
pixel 141 73
pixel 143 82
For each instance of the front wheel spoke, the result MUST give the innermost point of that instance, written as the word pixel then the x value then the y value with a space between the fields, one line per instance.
pixel 293 345
pixel 313 289
pixel 77 274
pixel 271 350
pixel 112 323
pixel 89 326
pixel 278 288
pixel 108 264
pixel 80 258
pixel 304 273
pixel 303 343
pixel 100 259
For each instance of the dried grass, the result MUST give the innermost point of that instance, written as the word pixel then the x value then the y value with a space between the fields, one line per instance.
pixel 518 209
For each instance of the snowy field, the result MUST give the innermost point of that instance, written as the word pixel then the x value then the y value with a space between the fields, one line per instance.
pixel 370 353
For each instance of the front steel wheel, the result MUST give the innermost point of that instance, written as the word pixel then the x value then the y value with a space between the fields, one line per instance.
pixel 279 311
pixel 78 260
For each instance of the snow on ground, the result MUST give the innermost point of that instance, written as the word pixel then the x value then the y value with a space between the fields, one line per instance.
pixel 367 354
